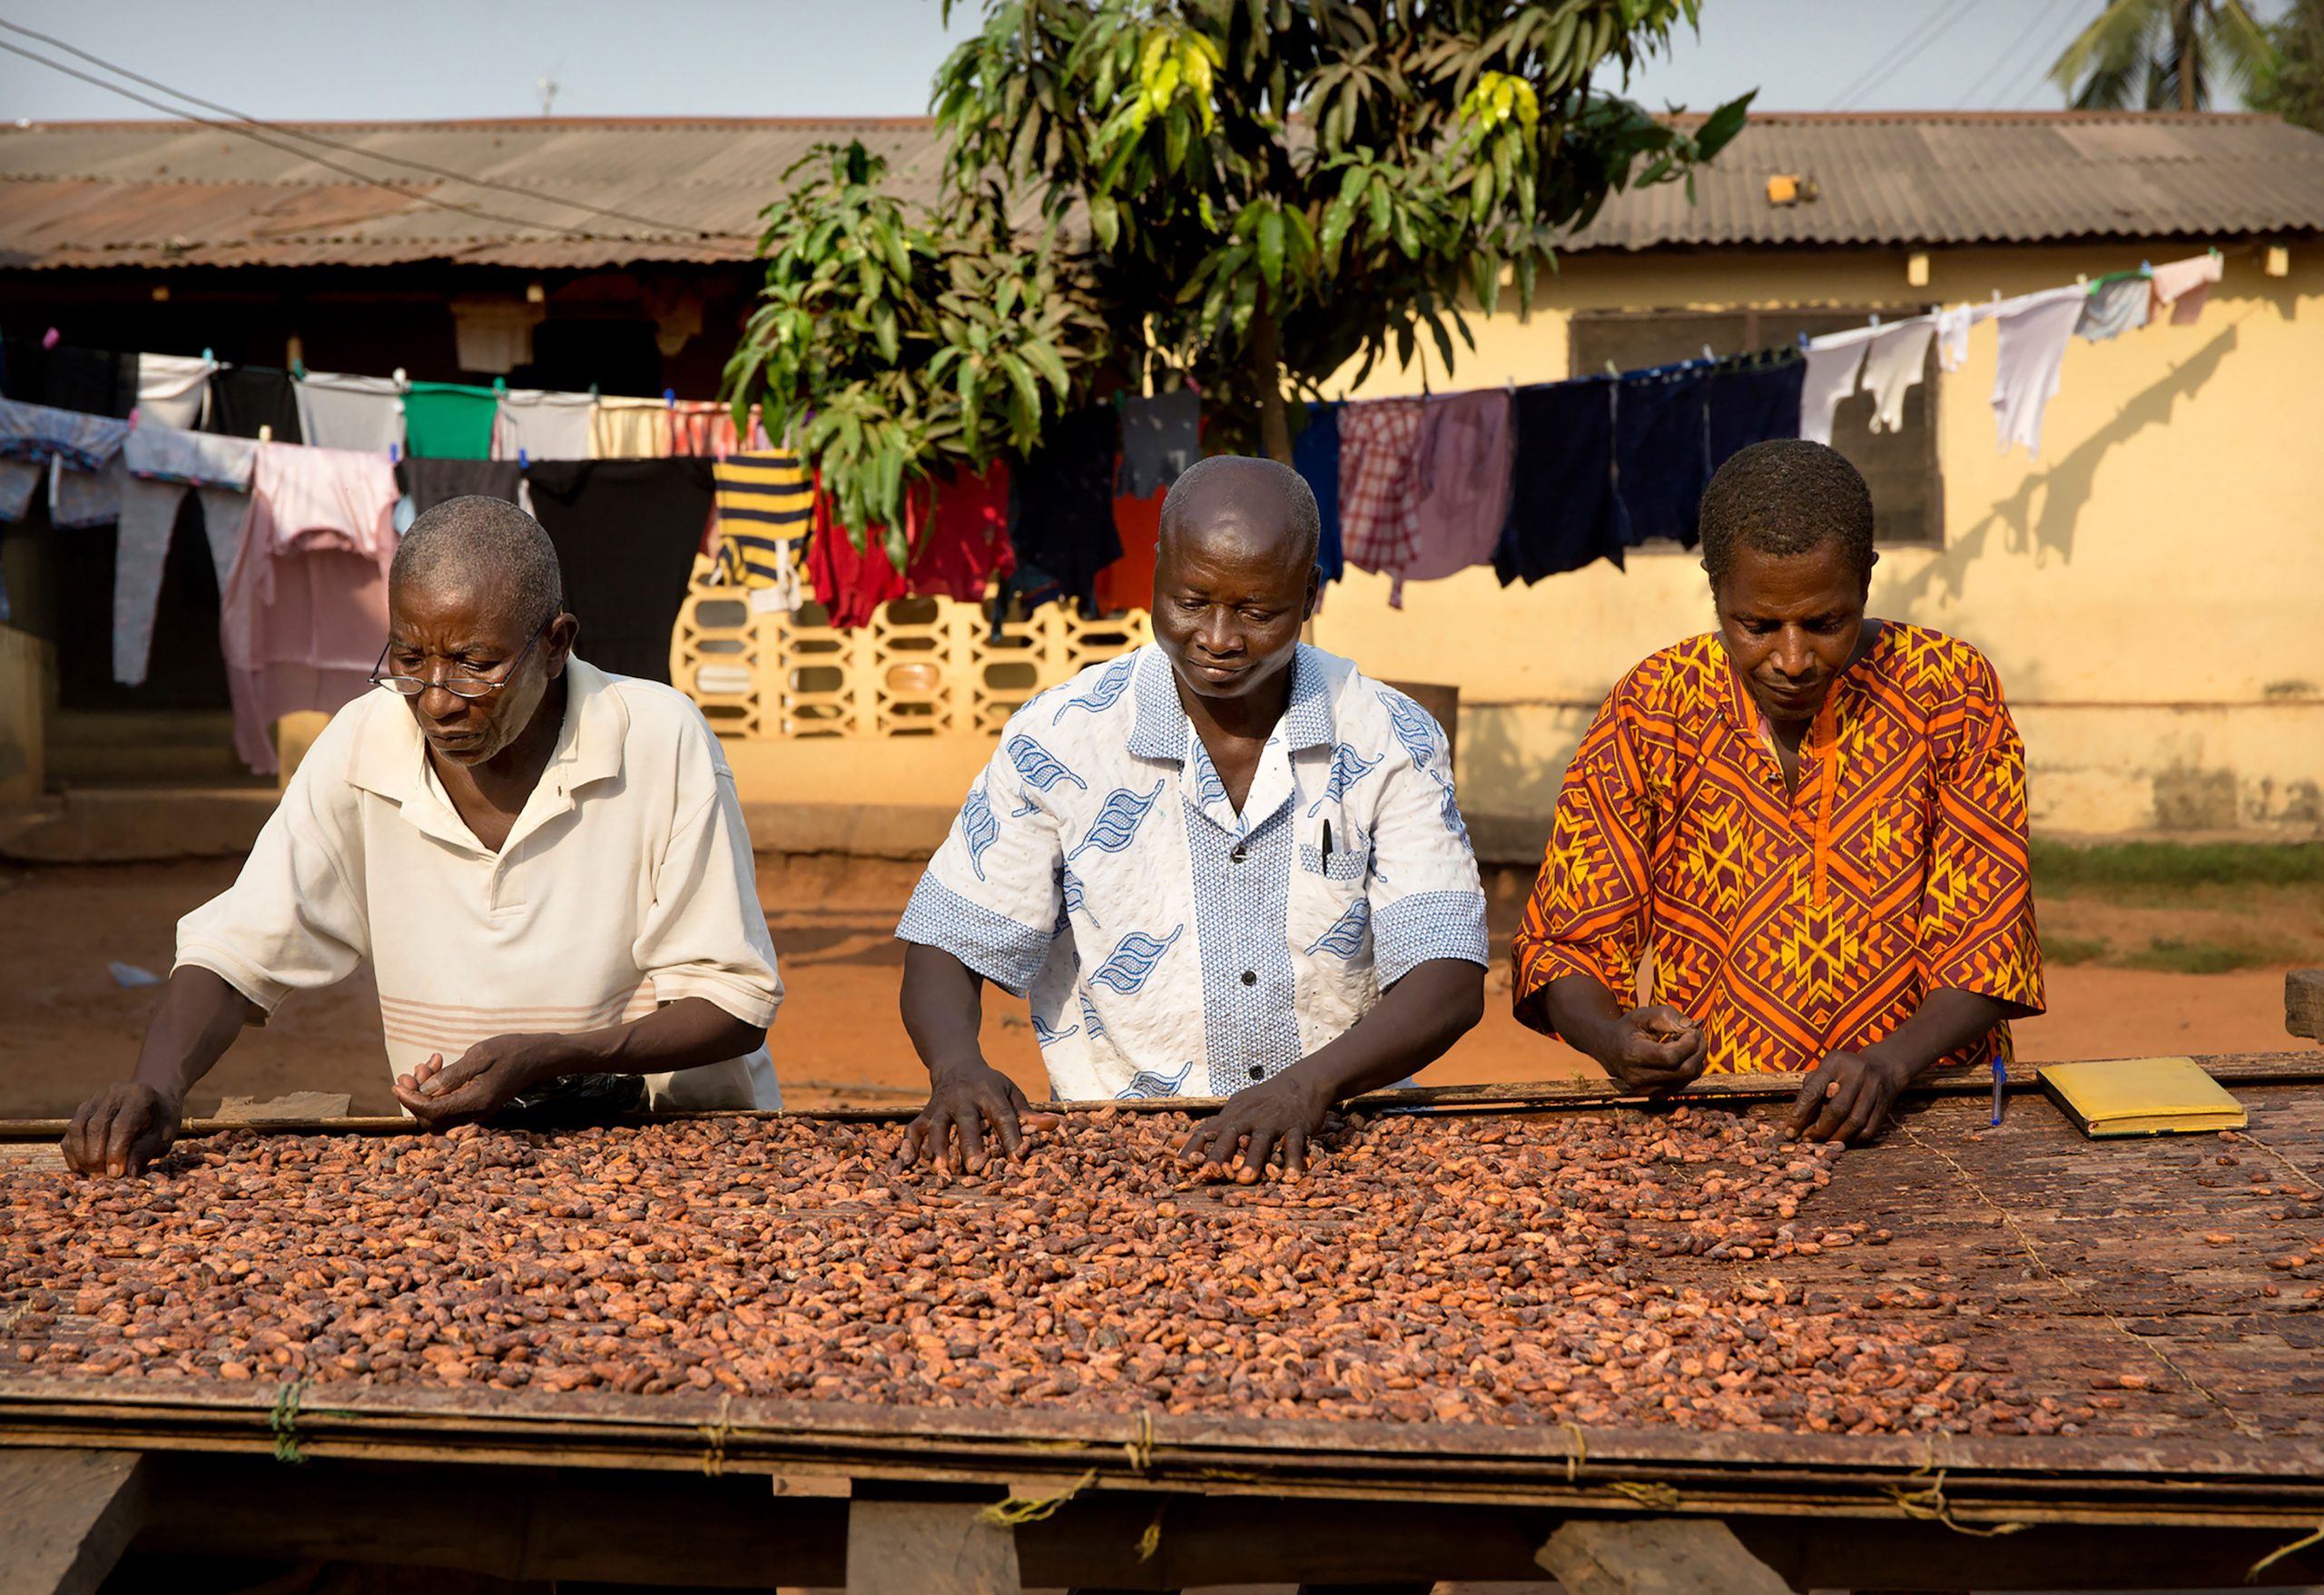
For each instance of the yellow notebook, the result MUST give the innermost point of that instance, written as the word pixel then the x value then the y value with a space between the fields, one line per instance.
pixel 2141 1096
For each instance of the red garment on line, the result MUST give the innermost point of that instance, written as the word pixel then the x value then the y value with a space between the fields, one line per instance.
pixel 1129 582
pixel 955 551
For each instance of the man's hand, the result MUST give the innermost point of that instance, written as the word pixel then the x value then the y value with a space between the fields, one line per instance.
pixel 122 1130
pixel 1654 1049
pixel 1259 1122
pixel 963 1100
pixel 1847 1097
pixel 484 1078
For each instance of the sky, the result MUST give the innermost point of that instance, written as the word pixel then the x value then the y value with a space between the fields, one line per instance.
pixel 330 60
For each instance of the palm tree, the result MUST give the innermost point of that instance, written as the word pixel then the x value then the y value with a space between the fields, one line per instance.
pixel 2162 56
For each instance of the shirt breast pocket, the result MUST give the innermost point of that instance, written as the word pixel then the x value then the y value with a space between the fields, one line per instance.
pixel 1349 862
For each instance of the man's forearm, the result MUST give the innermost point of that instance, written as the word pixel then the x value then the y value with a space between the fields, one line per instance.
pixel 686 1034
pixel 1416 1022
pixel 1587 1014
pixel 943 1009
pixel 199 1017
pixel 1947 1020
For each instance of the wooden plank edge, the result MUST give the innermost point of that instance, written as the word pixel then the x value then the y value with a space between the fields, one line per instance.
pixel 2245 1068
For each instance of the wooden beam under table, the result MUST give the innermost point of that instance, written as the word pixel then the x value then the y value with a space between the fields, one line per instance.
pixel 1655 1556
pixel 65 1517
pixel 2304 1003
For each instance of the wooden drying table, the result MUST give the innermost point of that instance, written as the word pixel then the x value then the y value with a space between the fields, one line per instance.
pixel 2084 1259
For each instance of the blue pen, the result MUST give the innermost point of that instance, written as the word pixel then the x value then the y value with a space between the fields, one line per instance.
pixel 2001 1078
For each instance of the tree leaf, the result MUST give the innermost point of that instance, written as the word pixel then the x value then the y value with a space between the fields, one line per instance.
pixel 1270 245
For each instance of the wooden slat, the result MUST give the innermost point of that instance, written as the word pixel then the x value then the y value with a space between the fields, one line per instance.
pixel 927 1548
pixel 65 1517
pixel 1655 1556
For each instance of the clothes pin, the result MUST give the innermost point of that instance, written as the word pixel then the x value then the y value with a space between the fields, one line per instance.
pixel 395 454
pixel 265 433
pixel 670 396
pixel 524 461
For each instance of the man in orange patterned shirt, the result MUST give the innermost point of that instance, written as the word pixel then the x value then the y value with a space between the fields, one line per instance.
pixel 1814 823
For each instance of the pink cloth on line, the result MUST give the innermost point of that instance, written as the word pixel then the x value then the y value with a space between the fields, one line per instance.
pixel 2181 286
pixel 1379 501
pixel 699 426
pixel 304 613
pixel 1463 459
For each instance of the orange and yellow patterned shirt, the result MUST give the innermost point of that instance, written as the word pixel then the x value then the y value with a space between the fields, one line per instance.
pixel 1792 924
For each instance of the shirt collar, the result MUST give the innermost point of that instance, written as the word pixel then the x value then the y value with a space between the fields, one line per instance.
pixel 390 758
pixel 1161 732
pixel 1849 687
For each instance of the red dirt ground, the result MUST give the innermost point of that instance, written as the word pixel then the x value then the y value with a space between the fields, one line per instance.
pixel 65 1028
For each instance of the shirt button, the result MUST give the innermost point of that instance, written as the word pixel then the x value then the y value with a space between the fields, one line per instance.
pixel 1237 856
pixel 1250 977
pixel 1258 1071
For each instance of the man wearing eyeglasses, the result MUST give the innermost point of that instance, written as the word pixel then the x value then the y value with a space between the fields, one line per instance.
pixel 545 865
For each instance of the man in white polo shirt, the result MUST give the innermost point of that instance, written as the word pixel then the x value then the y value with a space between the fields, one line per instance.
pixel 545 865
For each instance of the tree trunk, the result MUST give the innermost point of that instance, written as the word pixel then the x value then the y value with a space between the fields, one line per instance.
pixel 2183 24
pixel 1266 386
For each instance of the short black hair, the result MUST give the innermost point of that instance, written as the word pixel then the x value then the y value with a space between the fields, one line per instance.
pixel 491 545
pixel 1306 521
pixel 1783 498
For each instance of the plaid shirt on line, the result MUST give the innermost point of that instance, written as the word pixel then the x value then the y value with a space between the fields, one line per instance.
pixel 1379 497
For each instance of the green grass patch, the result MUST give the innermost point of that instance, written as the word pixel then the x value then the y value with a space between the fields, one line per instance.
pixel 2059 865
pixel 2074 950
pixel 2172 955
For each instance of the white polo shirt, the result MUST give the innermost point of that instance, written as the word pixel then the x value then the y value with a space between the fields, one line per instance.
pixel 627 881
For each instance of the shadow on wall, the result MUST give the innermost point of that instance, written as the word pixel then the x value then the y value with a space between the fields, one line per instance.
pixel 2043 514
pixel 1513 759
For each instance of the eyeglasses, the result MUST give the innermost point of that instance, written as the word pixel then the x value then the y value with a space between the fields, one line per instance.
pixel 460 686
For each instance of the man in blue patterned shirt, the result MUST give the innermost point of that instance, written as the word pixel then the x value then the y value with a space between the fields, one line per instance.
pixel 1227 864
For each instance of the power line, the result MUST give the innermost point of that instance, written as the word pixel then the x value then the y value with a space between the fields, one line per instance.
pixel 2012 54
pixel 1889 64
pixel 2041 59
pixel 250 131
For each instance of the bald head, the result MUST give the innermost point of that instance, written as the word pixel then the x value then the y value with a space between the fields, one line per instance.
pixel 488 550
pixel 1263 506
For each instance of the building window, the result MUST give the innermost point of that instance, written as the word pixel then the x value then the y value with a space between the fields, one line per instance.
pixel 1900 467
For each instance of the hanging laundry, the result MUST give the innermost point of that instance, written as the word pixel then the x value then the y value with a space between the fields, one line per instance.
pixel 1379 527
pixel 1752 400
pixel 1953 332
pixel 2031 337
pixel 1561 485
pixel 852 584
pixel 764 508
pixel 173 389
pixel 446 420
pixel 1129 582
pixel 963 542
pixel 79 453
pixel 630 428
pixel 698 426
pixel 428 483
pixel 1833 362
pixel 626 531
pixel 2184 285
pixel 93 381
pixel 1660 452
pixel 1462 458
pixel 161 464
pixel 304 615
pixel 337 410
pixel 493 334
pixel 536 423
pixel 1893 365
pixel 1315 454
pixel 242 399
pixel 1065 503
pixel 1161 437
pixel 2116 305
pixel 79 498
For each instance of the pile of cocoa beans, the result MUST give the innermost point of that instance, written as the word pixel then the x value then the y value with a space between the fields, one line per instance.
pixel 1591 1269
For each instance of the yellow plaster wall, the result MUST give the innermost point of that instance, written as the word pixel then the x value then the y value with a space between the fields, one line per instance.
pixel 2151 588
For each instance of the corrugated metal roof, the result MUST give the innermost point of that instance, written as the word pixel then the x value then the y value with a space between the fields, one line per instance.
pixel 179 193
pixel 1994 177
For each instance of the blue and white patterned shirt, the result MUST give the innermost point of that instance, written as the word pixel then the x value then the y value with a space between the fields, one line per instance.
pixel 1169 945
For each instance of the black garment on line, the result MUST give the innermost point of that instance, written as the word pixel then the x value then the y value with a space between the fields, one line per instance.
pixel 93 381
pixel 1659 446
pixel 626 532
pixel 1560 481
pixel 1161 438
pixel 242 399
pixel 1064 503
pixel 1753 404
pixel 429 482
